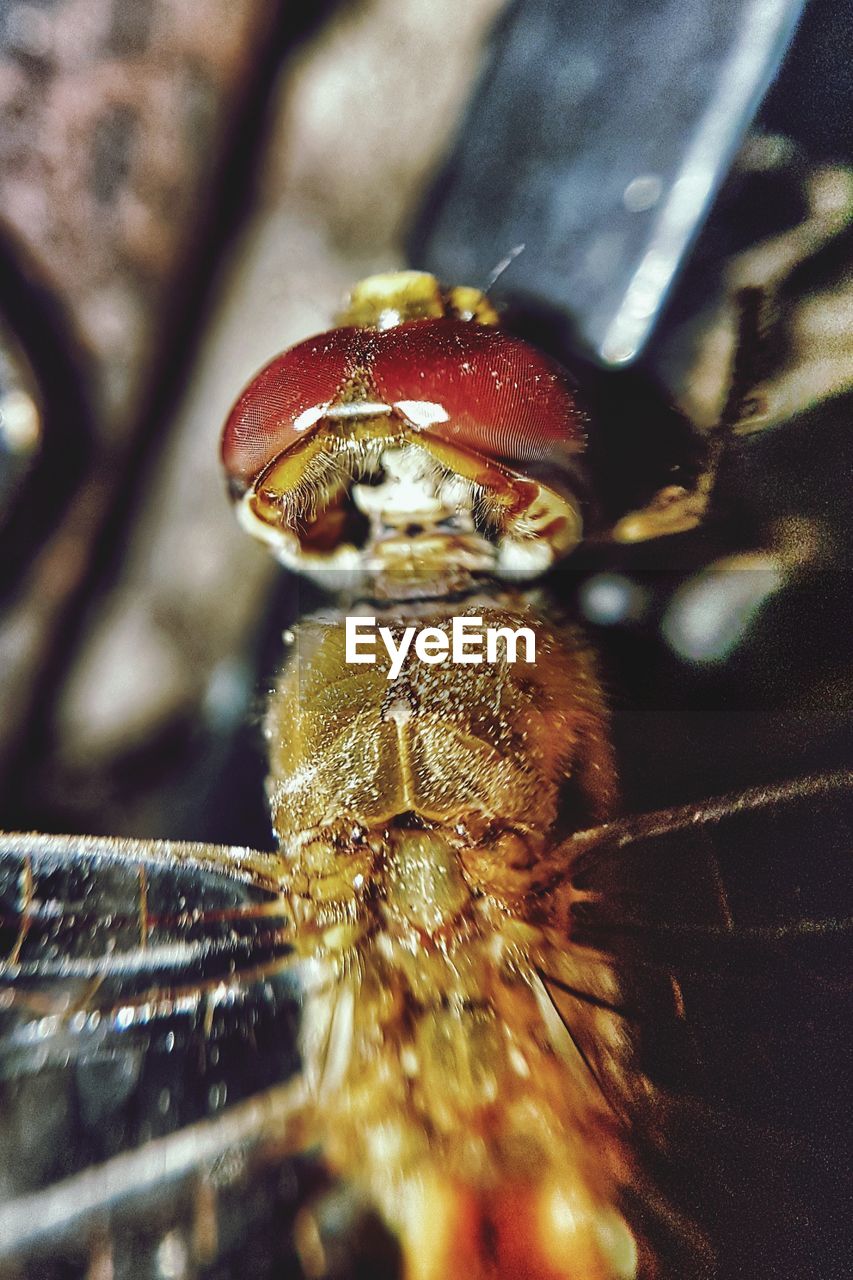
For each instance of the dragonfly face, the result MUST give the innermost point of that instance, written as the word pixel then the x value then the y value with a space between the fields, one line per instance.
pixel 410 441
pixel 506 1022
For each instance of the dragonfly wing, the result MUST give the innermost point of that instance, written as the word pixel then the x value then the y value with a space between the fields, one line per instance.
pixel 149 1007
pixel 713 943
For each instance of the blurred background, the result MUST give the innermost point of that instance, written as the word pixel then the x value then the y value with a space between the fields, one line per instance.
pixel 188 187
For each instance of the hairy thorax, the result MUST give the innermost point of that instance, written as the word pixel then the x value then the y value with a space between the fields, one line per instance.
pixel 407 799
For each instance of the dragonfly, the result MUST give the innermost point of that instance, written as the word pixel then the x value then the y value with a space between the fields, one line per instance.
pixel 466 1021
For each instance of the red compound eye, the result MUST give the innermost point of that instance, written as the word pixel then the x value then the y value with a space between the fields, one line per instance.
pixel 478 388
pixel 466 384
pixel 287 398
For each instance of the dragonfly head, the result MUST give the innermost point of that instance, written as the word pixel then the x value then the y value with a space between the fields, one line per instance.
pixel 418 438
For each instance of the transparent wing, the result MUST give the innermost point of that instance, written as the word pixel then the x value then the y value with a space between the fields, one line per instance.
pixel 712 943
pixel 149 1002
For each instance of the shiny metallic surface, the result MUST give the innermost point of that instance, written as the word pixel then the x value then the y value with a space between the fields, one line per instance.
pixel 612 94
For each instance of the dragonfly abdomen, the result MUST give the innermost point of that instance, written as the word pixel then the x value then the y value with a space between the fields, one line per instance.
pixel 444 1097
